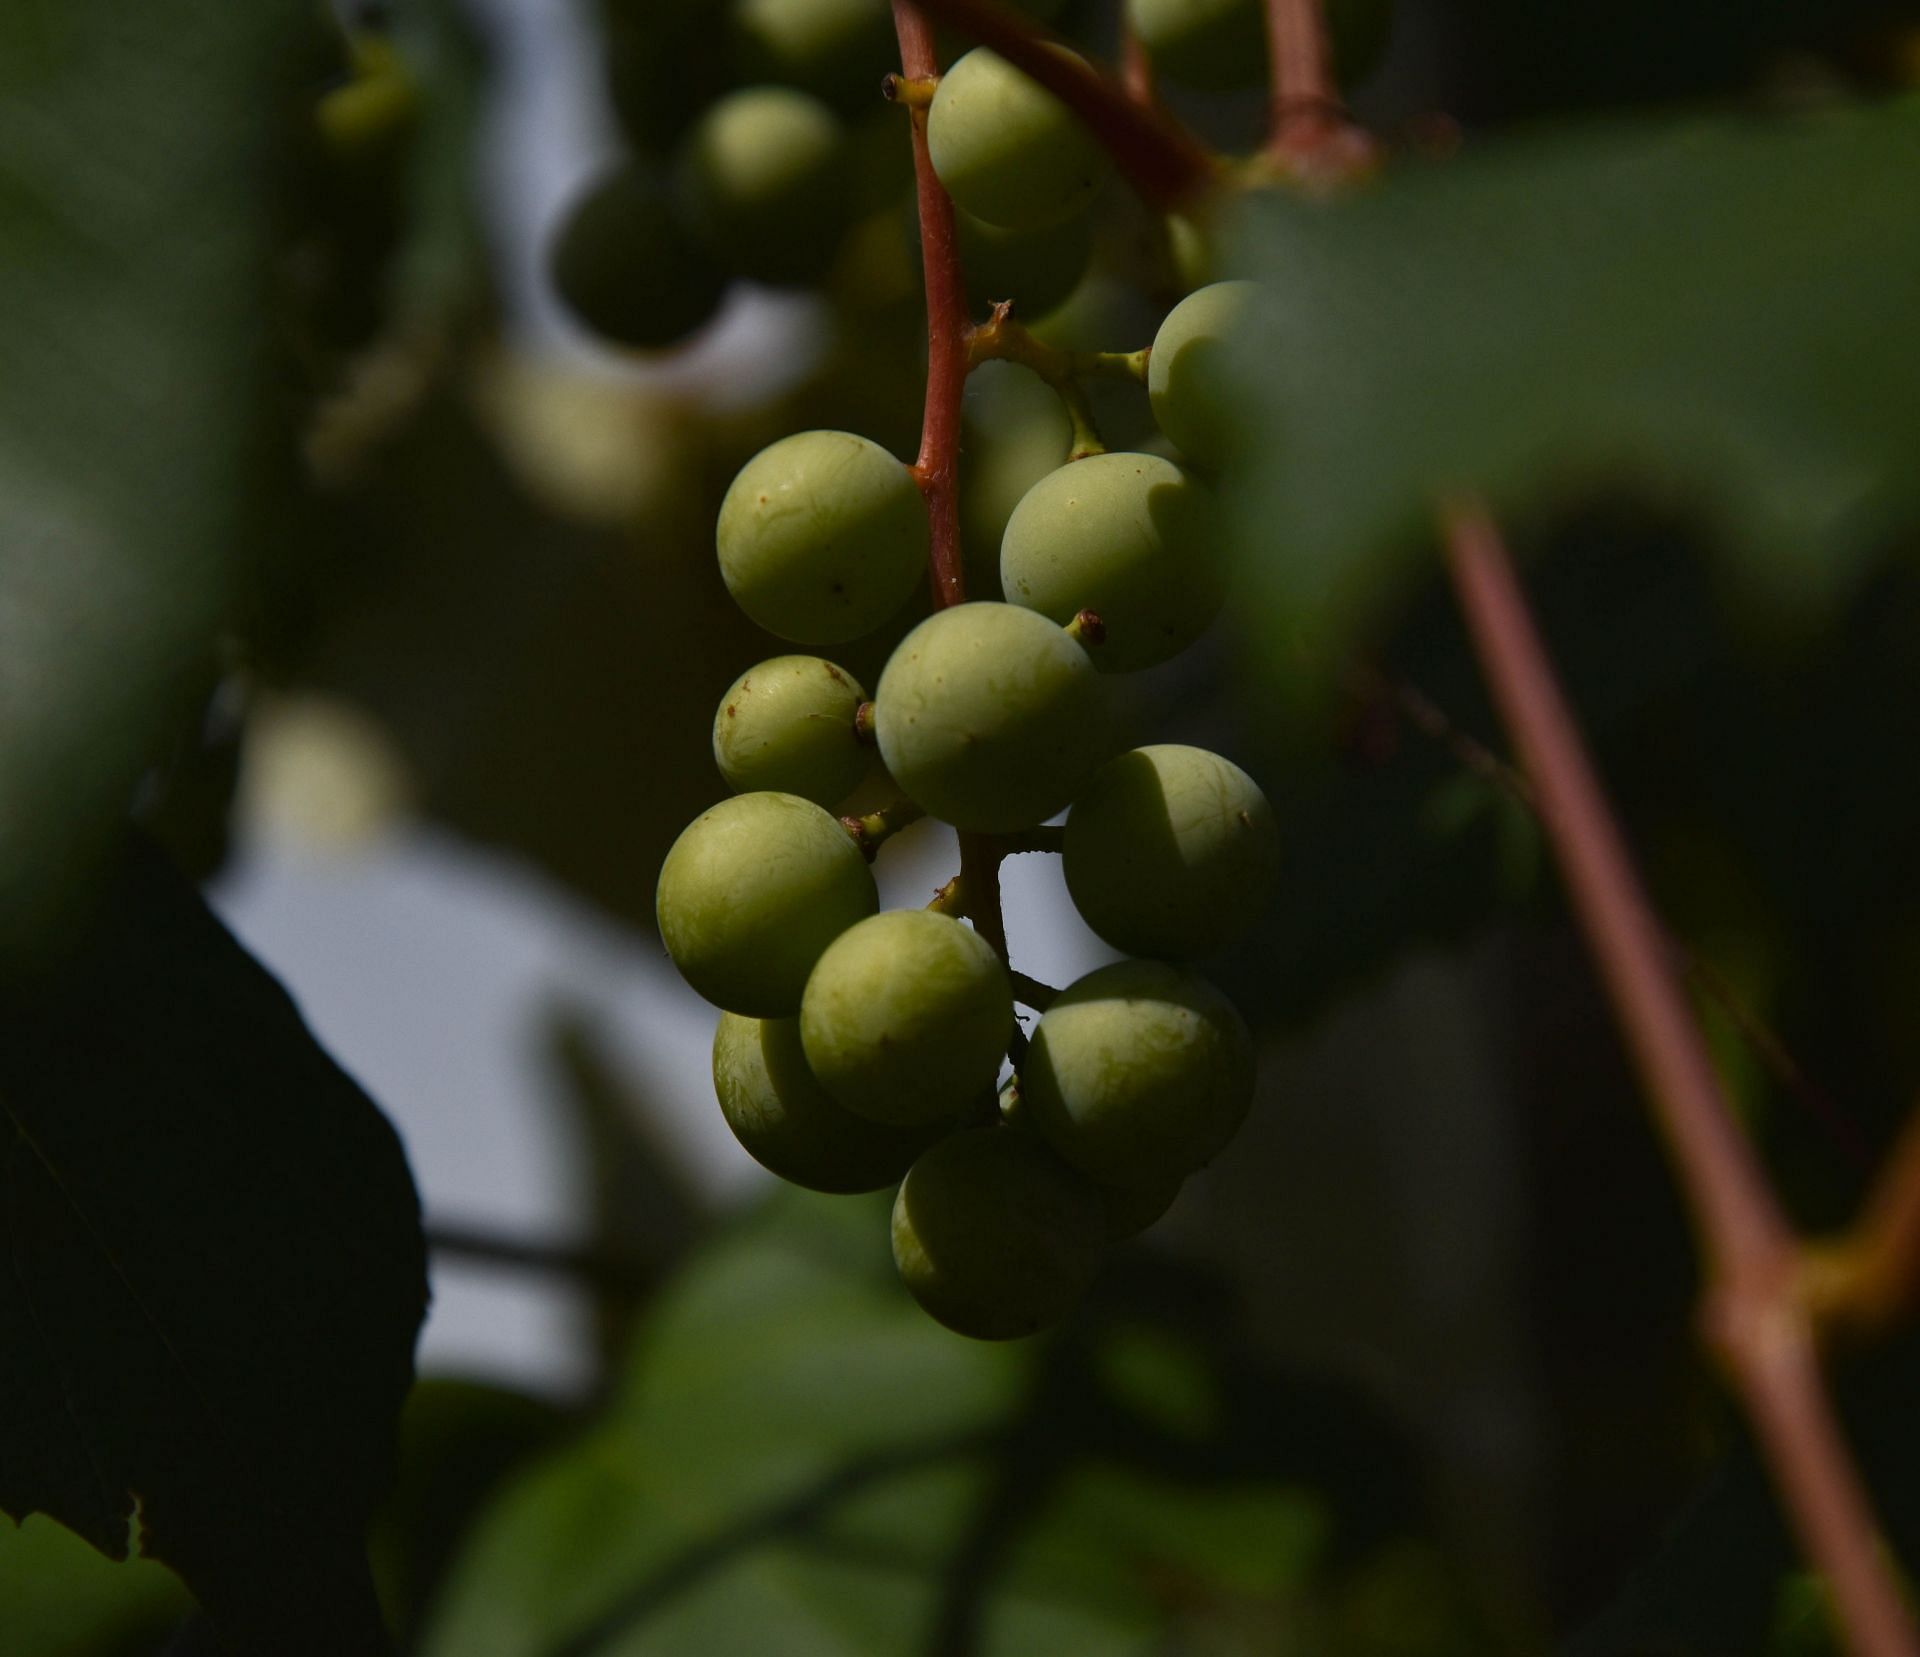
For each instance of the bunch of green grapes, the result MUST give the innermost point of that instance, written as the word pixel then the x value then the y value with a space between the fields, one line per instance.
pixel 857 1048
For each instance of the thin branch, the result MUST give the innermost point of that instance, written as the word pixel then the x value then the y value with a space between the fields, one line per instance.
pixel 477 1245
pixel 1870 1278
pixel 876 828
pixel 1160 158
pixel 1030 992
pixel 1308 128
pixel 1755 1316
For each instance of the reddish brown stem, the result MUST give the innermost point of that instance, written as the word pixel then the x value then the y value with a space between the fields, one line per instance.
pixel 1756 1317
pixel 1159 157
pixel 938 468
pixel 1302 56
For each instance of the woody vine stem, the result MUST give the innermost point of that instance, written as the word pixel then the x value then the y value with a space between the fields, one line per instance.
pixel 1770 1295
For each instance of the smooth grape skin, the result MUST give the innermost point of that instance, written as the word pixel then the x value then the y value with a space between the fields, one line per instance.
pixel 995 1236
pixel 787 725
pixel 907 1017
pixel 627 267
pixel 1137 1072
pixel 1014 430
pixel 1197 361
pixel 989 717
pixel 822 537
pixel 1007 150
pixel 751 893
pixel 835 49
pixel 760 179
pixel 1130 537
pixel 789 1124
pixel 1171 851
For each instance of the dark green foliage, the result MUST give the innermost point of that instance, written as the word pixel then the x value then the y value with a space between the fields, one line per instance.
pixel 215 1271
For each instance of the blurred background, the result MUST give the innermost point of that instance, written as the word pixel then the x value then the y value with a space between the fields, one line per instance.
pixel 1413 1368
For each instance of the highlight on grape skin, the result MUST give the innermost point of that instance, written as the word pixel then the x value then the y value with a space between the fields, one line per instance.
pixel 788 725
pixel 907 1017
pixel 1008 150
pixel 788 1123
pixel 1171 851
pixel 995 1236
pixel 1130 537
pixel 1137 1071
pixel 990 717
pixel 822 537
pixel 751 893
pixel 626 265
pixel 760 180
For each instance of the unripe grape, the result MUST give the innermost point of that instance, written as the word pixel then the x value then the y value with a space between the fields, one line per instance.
pixel 995 1236
pixel 628 268
pixel 1130 537
pixel 1014 430
pixel 1035 269
pixel 789 1124
pixel 760 178
pixel 1007 149
pixel 822 537
pixel 1139 1071
pixel 1171 851
pixel 1212 44
pixel 989 716
pixel 835 49
pixel 1198 358
pixel 751 893
pixel 787 725
pixel 907 1017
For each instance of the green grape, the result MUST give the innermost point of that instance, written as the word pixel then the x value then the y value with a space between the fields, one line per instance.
pixel 1131 1210
pixel 1198 359
pixel 1036 269
pixel 628 268
pixel 1007 150
pixel 1014 430
pixel 1130 537
pixel 787 725
pixel 760 176
pixel 822 537
pixel 1139 1071
pixel 995 1236
pixel 989 716
pixel 789 1124
pixel 1212 44
pixel 907 1017
pixel 1171 851
pixel 751 893
pixel 836 49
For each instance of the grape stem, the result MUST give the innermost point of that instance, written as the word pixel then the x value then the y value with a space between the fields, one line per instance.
pixel 1002 339
pixel 937 470
pixel 910 91
pixel 873 830
pixel 1030 992
pixel 1087 630
pixel 951 899
pixel 863 727
pixel 1759 1313
pixel 1308 130
pixel 1045 838
pixel 1162 160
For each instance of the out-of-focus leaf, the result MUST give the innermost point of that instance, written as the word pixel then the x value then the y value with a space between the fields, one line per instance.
pixel 138 152
pixel 61 1598
pixel 214 1272
pixel 1722 310
pixel 800 1462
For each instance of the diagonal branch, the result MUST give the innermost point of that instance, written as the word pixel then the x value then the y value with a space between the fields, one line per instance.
pixel 1756 1316
pixel 1160 158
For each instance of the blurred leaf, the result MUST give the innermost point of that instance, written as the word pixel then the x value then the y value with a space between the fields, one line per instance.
pixel 801 1462
pixel 215 1272
pixel 1720 309
pixel 61 1598
pixel 138 148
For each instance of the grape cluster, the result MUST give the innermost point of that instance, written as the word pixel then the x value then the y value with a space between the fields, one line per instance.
pixel 859 1049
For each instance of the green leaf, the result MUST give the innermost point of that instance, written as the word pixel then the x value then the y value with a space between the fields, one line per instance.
pixel 138 148
pixel 215 1272
pixel 61 1598
pixel 1721 310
